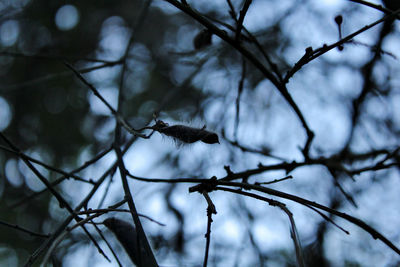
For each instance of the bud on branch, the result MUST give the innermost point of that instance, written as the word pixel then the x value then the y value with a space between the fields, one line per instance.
pixel 186 134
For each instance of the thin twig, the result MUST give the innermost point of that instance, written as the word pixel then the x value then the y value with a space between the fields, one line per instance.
pixel 54 57
pixel 377 7
pixel 146 258
pixel 62 202
pixel 262 151
pixel 134 33
pixel 61 179
pixel 59 231
pixel 105 193
pixel 241 19
pixel 275 181
pixel 329 219
pixel 210 211
pixel 51 168
pixel 37 81
pixel 252 39
pixel 96 214
pixel 240 90
pixel 90 211
pixel 295 237
pixel 19 228
pixel 313 54
pixel 119 118
pixel 108 244
pixel 378 166
pixel 281 87
pixel 374 233
pixel 65 231
pixel 196 180
pixel 232 11
pixel 163 180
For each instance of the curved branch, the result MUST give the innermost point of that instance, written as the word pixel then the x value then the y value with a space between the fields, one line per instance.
pixel 253 59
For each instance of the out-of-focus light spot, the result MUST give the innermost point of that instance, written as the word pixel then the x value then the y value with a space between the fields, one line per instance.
pixel 67 17
pixel 232 231
pixel 31 180
pixel 330 2
pixel 9 32
pixel 12 173
pixel 34 39
pixel 114 38
pixel 147 108
pixel 9 256
pixel 55 100
pixel 395 100
pixel 328 5
pixel 5 114
pixel 18 3
pixel 267 236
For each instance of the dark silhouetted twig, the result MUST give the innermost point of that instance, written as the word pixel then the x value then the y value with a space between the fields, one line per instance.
pixel 240 21
pixel 19 228
pixel 210 211
pixel 145 257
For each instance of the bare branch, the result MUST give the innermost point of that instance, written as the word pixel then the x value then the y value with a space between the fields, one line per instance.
pixel 247 54
pixel 241 19
pixel 119 118
pixel 313 54
pixel 146 256
pixel 61 179
pixel 19 228
pixel 210 211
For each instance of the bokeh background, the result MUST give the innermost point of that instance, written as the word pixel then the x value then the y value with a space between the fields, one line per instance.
pixel 146 48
